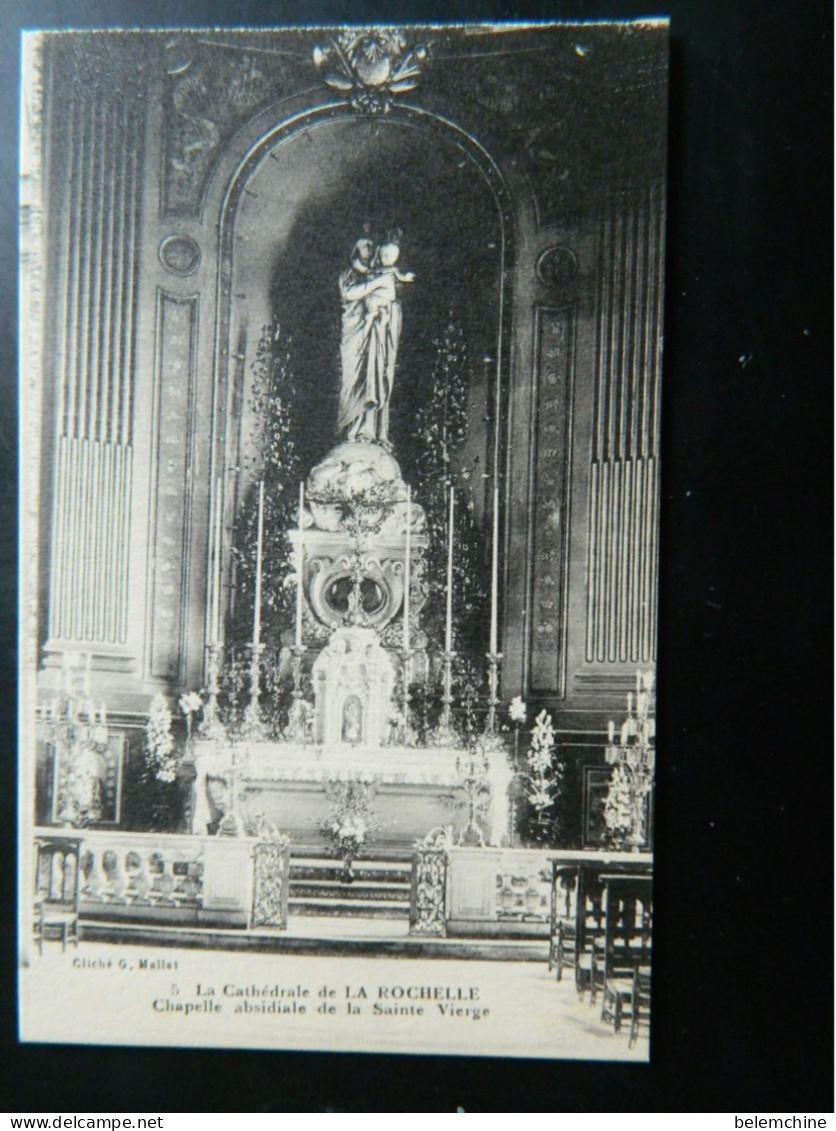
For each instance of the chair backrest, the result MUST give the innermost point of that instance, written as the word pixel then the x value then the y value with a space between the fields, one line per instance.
pixel 564 885
pixel 628 923
pixel 57 872
pixel 589 909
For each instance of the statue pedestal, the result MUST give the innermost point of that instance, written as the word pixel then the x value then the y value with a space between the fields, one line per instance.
pixel 415 790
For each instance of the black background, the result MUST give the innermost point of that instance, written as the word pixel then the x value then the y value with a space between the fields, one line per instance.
pixel 744 947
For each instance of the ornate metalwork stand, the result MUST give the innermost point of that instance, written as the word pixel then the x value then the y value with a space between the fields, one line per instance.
pixel 210 726
pixel 494 659
pixel 446 735
pixel 406 659
pixel 633 757
pixel 492 739
pixel 297 727
pixel 252 715
pixel 472 769
pixel 231 823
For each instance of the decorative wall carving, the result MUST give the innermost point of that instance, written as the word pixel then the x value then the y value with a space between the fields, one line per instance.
pixel 556 266
pixel 210 90
pixel 370 66
pixel 553 393
pixel 180 255
pixel 624 489
pixel 173 430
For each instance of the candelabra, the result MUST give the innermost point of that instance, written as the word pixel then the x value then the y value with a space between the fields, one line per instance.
pixel 472 768
pixel 77 731
pixel 231 823
pixel 633 759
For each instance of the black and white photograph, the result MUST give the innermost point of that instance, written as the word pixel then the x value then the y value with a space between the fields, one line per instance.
pixel 341 356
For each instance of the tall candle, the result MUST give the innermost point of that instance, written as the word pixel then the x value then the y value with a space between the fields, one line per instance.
pixel 448 635
pixel 406 570
pixel 300 563
pixel 610 730
pixel 494 567
pixel 216 566
pixel 258 555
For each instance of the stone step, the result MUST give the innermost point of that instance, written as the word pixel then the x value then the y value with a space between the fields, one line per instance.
pixel 370 908
pixel 380 888
pixel 333 889
pixel 383 871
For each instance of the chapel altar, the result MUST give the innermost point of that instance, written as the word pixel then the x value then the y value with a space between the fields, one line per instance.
pixel 359 570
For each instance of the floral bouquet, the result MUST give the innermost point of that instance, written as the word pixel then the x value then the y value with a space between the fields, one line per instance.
pixel 352 821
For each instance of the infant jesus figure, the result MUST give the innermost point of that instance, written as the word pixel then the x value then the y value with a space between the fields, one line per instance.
pixel 383 321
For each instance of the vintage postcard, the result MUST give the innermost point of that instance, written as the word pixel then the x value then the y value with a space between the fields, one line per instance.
pixel 340 391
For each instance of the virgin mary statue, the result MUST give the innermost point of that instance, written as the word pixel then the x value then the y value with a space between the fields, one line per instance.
pixel 371 331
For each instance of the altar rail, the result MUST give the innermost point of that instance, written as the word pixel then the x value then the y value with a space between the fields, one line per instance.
pixel 501 891
pixel 179 880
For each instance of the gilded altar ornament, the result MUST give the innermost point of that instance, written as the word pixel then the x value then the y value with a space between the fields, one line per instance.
pixel 370 66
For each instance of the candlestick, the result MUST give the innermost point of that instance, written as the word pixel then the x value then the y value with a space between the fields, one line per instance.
pixel 448 632
pixel 496 418
pixel 252 715
pixel 494 567
pixel 610 731
pixel 406 570
pixel 300 564
pixel 258 555
pixel 494 659
pixel 446 735
pixel 297 729
pixel 210 726
pixel 216 566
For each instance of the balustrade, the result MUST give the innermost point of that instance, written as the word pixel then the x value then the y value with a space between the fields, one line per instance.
pixel 174 878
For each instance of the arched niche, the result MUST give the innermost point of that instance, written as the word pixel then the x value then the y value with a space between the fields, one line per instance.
pixel 292 213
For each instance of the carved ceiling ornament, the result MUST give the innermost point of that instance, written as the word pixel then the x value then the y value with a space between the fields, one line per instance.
pixel 370 66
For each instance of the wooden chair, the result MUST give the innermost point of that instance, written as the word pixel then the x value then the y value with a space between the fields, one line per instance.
pixel 589 928
pixel 627 943
pixel 57 886
pixel 563 933
pixel 640 1002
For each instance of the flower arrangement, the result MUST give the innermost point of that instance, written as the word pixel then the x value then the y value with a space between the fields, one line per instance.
pixel 542 775
pixel 517 710
pixel 619 806
pixel 163 756
pixel 352 820
pixel 517 714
